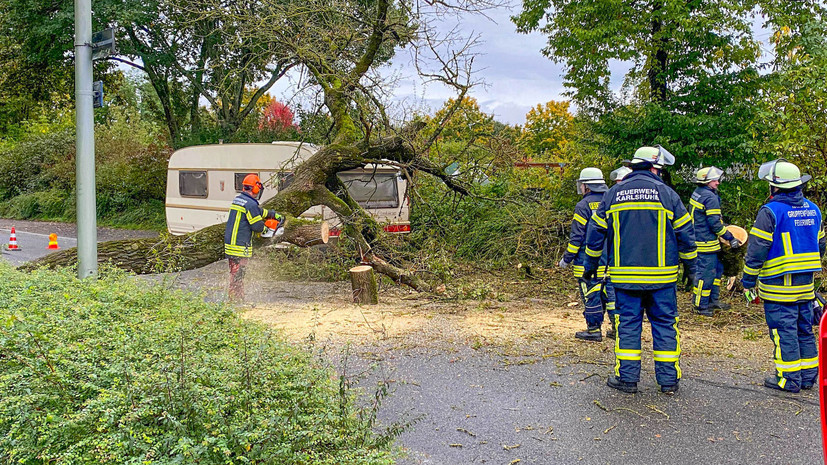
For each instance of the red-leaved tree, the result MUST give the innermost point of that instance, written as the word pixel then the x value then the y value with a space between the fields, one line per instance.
pixel 276 117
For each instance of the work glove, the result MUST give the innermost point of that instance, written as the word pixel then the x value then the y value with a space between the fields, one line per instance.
pixel 563 263
pixel 590 274
pixel 818 312
pixel 751 294
pixel 734 243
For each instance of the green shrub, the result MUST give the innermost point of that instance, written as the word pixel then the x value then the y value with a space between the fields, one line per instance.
pixel 113 371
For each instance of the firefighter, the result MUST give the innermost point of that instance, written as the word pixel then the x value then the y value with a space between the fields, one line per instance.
pixel 705 210
pixel 647 232
pixel 620 173
pixel 246 217
pixel 785 250
pixel 591 186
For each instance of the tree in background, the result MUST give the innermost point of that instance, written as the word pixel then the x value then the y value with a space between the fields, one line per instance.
pixel 548 131
pixel 276 117
pixel 185 53
pixel 794 104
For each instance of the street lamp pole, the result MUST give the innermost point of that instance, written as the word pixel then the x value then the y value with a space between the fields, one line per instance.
pixel 85 145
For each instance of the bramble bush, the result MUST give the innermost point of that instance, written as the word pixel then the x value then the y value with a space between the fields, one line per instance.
pixel 112 371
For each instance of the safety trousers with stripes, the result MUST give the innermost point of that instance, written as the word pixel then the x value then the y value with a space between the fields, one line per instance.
pixel 598 296
pixel 661 308
pixel 795 352
pixel 707 283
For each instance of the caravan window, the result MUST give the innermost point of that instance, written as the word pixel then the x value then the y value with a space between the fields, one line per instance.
pixel 239 179
pixel 372 190
pixel 192 183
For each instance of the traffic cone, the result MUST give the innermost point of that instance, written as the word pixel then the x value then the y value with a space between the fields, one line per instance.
pixel 13 240
pixel 52 241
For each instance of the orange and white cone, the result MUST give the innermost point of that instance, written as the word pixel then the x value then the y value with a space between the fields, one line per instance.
pixel 13 240
pixel 52 241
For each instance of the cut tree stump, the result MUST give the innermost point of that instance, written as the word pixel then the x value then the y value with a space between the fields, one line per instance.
pixel 363 281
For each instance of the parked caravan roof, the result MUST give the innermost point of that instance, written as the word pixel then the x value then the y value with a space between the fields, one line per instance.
pixel 251 157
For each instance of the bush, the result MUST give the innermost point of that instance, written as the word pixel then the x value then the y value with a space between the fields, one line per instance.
pixel 115 371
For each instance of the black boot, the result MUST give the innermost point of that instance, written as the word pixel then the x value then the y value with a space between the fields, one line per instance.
pixel 704 311
pixel 670 389
pixel 611 334
pixel 721 306
pixel 772 383
pixel 592 333
pixel 614 383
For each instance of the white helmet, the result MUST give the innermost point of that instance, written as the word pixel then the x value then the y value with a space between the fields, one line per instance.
pixel 657 156
pixel 620 173
pixel 783 174
pixel 708 174
pixel 593 178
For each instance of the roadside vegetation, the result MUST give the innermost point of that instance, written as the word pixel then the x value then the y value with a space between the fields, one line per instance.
pixel 115 371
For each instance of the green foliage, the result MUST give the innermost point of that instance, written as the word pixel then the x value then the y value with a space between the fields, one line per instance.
pixel 131 169
pixel 795 104
pixel 502 229
pixel 113 371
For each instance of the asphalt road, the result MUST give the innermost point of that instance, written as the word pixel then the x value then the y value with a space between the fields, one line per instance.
pixel 31 246
pixel 475 407
pixel 33 237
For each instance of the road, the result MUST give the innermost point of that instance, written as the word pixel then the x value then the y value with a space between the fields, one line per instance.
pixel 33 237
pixel 475 407
pixel 31 246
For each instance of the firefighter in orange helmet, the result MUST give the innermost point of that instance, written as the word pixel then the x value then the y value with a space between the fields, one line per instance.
pixel 246 217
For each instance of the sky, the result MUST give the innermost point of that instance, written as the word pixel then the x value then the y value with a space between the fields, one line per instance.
pixel 515 73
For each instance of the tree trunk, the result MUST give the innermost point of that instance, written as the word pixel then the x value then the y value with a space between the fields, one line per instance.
pixel 363 283
pixel 175 253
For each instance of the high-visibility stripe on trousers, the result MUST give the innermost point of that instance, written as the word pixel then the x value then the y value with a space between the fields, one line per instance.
pixel 661 308
pixel 592 293
pixel 707 283
pixel 794 345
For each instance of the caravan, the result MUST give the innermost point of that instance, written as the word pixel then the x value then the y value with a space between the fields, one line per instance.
pixel 203 180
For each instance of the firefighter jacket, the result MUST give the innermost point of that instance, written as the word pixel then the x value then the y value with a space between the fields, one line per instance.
pixel 576 249
pixel 705 210
pixel 647 231
pixel 785 248
pixel 246 216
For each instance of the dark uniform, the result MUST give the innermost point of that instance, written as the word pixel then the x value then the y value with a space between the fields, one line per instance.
pixel 597 294
pixel 647 231
pixel 705 209
pixel 246 217
pixel 785 250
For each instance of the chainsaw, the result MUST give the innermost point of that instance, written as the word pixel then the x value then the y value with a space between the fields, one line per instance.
pixel 273 228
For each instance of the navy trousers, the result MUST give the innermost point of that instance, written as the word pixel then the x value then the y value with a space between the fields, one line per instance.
pixel 707 283
pixel 597 297
pixel 661 308
pixel 795 351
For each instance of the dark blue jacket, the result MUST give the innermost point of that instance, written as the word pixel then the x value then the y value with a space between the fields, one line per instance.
pixel 246 216
pixel 576 250
pixel 785 248
pixel 705 209
pixel 647 231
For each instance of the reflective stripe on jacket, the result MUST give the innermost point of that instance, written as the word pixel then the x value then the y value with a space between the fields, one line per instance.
pixel 246 216
pixel 576 249
pixel 705 209
pixel 785 248
pixel 647 231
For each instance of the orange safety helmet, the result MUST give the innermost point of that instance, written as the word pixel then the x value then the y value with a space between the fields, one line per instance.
pixel 253 182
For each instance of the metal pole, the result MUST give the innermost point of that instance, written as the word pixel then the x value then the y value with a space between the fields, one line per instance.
pixel 85 156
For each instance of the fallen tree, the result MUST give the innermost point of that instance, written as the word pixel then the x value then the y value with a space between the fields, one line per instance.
pixel 339 45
